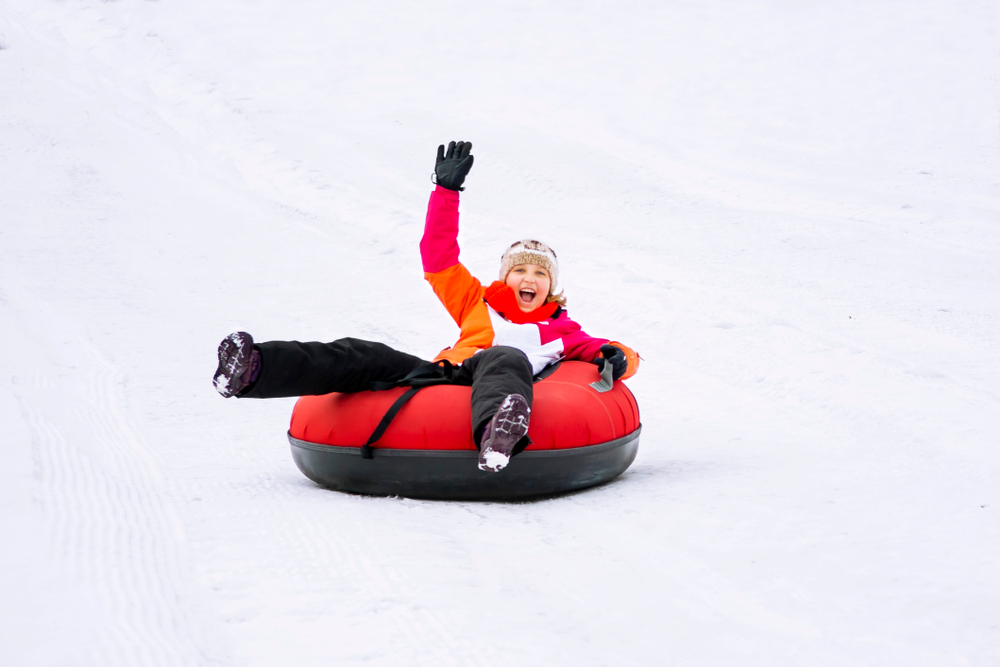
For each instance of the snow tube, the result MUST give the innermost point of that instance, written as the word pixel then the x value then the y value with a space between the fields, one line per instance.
pixel 581 436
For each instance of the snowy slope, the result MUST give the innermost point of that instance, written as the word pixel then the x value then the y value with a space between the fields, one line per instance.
pixel 791 209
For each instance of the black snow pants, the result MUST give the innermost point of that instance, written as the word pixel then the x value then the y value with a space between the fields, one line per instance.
pixel 291 368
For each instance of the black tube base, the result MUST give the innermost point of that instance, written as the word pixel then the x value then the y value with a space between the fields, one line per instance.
pixel 454 475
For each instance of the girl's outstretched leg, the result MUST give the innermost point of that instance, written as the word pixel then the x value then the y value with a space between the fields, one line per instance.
pixel 291 368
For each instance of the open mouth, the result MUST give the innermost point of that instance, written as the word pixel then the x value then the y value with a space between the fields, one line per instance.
pixel 527 295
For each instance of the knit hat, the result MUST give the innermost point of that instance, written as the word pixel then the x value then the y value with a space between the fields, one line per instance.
pixel 529 251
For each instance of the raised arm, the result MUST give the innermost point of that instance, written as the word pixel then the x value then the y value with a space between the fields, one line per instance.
pixel 457 289
pixel 439 245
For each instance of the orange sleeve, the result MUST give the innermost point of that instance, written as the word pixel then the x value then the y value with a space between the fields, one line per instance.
pixel 631 356
pixel 457 289
pixel 462 296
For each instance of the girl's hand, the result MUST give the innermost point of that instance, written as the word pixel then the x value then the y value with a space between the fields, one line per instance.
pixel 612 354
pixel 450 170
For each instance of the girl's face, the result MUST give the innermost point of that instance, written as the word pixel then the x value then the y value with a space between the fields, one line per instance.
pixel 531 284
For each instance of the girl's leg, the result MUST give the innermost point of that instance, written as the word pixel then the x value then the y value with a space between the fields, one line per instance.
pixel 496 374
pixel 291 368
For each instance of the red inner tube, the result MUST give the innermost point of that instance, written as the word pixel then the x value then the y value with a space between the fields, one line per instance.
pixel 567 413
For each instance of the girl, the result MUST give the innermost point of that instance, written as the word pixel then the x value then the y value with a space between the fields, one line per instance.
pixel 510 331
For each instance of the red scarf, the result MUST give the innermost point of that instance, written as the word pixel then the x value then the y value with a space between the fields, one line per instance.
pixel 502 299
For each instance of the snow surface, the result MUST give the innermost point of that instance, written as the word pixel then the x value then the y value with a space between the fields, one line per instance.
pixel 790 209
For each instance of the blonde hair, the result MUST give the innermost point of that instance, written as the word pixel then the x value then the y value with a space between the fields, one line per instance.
pixel 557 298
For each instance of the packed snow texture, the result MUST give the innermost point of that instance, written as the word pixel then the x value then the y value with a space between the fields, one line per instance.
pixel 790 209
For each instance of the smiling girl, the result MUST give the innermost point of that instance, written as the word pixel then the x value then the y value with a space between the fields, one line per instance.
pixel 509 332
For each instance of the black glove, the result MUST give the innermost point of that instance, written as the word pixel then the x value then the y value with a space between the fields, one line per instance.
pixel 612 354
pixel 451 169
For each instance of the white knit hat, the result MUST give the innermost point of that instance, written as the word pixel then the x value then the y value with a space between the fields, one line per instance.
pixel 530 251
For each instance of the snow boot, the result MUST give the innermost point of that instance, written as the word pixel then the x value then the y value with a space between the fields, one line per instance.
pixel 508 426
pixel 239 364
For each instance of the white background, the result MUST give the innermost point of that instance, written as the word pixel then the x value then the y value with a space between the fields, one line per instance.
pixel 790 209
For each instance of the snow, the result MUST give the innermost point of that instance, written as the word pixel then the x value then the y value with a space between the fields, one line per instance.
pixel 790 209
pixel 494 461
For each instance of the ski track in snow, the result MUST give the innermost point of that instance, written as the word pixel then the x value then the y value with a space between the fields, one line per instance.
pixel 102 499
pixel 790 211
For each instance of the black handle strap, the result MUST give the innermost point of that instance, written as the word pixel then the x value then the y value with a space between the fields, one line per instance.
pixel 366 449
pixel 428 375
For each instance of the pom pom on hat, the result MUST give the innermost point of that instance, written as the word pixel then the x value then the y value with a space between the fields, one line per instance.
pixel 530 251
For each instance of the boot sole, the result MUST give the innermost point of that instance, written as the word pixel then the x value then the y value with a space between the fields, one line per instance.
pixel 234 359
pixel 514 415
